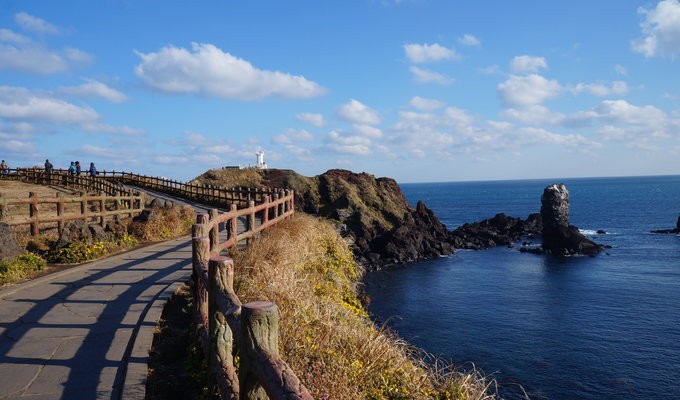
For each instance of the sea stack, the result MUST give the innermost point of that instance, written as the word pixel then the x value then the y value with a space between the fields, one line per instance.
pixel 560 238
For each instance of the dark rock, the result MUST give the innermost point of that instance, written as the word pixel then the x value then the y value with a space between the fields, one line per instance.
pixel 601 232
pixel 675 231
pixel 560 238
pixel 116 228
pixel 9 248
pixel 500 229
pixel 98 233
pixel 74 231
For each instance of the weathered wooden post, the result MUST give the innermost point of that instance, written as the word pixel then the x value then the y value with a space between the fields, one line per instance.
pixel 265 216
pixel 262 374
pixel 33 213
pixel 276 207
pixel 200 255
pixel 215 231
pixel 251 219
pixel 102 208
pixel 60 212
pixel 234 225
pixel 223 304
pixel 83 205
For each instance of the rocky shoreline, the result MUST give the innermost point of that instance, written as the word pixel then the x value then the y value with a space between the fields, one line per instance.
pixel 381 227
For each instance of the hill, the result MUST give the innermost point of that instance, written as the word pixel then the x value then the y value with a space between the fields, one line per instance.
pixel 371 213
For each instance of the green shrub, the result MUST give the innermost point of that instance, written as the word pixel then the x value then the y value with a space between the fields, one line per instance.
pixel 19 267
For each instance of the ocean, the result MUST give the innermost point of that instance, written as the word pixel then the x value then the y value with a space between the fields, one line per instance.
pixel 602 327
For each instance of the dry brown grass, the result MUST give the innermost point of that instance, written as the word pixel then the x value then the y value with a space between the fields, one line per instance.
pixel 168 223
pixel 326 336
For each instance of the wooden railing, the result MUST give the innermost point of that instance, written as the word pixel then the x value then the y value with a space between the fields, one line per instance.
pixel 39 214
pixel 61 177
pixel 210 194
pixel 226 327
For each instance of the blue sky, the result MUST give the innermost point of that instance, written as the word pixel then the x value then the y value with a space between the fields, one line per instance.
pixel 418 90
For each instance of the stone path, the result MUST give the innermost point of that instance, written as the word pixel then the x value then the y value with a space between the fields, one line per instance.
pixel 85 332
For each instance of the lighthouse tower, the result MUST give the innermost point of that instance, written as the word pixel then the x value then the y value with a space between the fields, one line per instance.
pixel 260 160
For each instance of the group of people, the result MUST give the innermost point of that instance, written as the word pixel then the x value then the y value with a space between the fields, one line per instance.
pixel 73 169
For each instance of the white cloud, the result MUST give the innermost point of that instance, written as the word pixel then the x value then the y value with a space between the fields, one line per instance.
pixel 425 104
pixel 98 152
pixel 534 114
pixel 208 71
pixel 95 90
pixel 368 131
pixel 600 89
pixel 292 136
pixel 30 23
pixel 31 59
pixel 312 119
pixel 468 40
pixel 14 147
pixel 77 56
pixel 426 76
pixel 358 113
pixel 116 130
pixel 348 144
pixel 522 91
pixel 623 112
pixel 527 64
pixel 8 36
pixel 423 53
pixel 20 53
pixel 22 105
pixel 660 30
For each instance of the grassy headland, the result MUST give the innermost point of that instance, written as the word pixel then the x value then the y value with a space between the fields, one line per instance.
pixel 327 337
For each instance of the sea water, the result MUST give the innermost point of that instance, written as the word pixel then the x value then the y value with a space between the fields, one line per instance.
pixel 603 327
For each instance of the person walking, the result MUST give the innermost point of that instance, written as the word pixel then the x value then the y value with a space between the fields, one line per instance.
pixel 77 167
pixel 72 168
pixel 4 169
pixel 48 171
pixel 93 170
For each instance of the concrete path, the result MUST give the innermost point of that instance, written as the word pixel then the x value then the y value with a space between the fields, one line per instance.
pixel 85 333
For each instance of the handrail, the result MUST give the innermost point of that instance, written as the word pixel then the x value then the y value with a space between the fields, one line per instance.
pixel 60 177
pixel 38 215
pixel 224 323
pixel 211 194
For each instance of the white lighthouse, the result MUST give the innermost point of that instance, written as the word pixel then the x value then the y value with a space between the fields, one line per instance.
pixel 260 160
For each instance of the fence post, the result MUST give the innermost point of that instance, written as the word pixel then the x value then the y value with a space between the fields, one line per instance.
pixel 33 212
pixel 102 208
pixel 60 212
pixel 215 231
pixel 199 256
pixel 262 373
pixel 251 218
pixel 221 370
pixel 265 217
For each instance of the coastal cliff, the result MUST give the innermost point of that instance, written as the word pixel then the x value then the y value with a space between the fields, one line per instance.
pixel 371 213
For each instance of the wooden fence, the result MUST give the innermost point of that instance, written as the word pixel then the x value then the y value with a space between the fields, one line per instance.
pixel 60 177
pixel 36 211
pixel 226 327
pixel 210 194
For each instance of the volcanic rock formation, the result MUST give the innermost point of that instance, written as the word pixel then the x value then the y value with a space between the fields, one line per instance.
pixel 560 238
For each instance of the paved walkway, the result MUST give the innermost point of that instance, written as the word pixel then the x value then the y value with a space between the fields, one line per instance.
pixel 85 333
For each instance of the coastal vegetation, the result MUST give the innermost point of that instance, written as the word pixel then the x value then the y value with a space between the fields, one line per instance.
pixel 327 337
